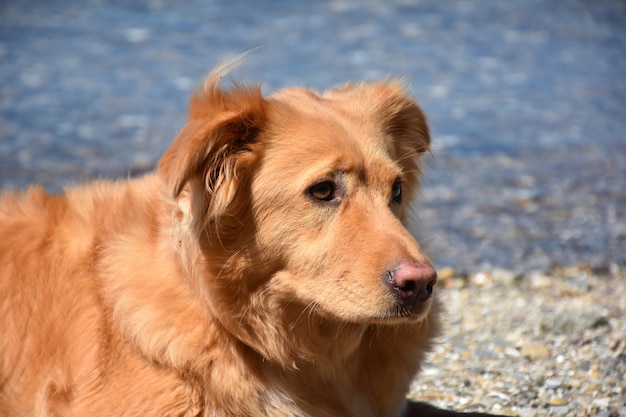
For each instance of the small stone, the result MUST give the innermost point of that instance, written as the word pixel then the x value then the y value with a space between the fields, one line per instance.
pixel 535 351
pixel 500 395
pixel 508 412
pixel 485 353
pixel 481 279
pixel 561 410
pixel 609 381
pixel 602 402
pixel 552 382
pixel 526 412
pixel 574 383
pixel 594 371
pixel 489 402
pixel 584 365
pixel 512 352
pixel 504 276
pixel 446 272
pixel 538 281
pixel 557 402
pixel 591 389
pixel 572 322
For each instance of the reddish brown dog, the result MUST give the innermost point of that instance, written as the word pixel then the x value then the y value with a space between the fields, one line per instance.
pixel 263 270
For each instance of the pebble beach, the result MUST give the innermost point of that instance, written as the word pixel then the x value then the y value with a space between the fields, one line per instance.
pixel 535 344
pixel 523 201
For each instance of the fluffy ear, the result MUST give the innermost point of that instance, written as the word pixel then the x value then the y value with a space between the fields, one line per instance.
pixel 398 114
pixel 405 123
pixel 403 119
pixel 217 142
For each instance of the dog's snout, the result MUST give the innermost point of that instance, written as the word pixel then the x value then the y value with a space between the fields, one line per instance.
pixel 413 283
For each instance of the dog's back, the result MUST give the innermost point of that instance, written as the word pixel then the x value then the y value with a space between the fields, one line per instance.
pixel 58 346
pixel 46 298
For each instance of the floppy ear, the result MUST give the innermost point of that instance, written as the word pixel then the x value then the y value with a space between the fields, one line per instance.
pixel 405 123
pixel 217 142
pixel 404 120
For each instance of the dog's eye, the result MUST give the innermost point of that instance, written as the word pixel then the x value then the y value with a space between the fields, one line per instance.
pixel 396 192
pixel 323 191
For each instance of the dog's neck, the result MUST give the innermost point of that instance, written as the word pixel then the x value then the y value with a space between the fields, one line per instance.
pixel 289 355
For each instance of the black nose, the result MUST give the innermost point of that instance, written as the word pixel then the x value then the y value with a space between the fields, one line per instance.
pixel 412 283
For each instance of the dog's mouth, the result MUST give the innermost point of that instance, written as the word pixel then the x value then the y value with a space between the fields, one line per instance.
pixel 416 311
pixel 395 311
pixel 403 312
pixel 397 314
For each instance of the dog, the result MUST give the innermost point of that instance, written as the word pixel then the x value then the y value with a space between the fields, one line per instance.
pixel 263 269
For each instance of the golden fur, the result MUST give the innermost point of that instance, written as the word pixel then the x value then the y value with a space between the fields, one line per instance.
pixel 224 284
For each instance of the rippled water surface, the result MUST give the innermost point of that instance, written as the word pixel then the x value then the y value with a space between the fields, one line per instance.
pixel 526 100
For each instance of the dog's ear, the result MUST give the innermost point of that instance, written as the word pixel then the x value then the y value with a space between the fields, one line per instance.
pixel 217 142
pixel 405 123
pixel 403 119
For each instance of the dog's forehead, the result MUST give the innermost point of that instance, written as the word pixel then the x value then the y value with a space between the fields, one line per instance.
pixel 320 133
pixel 331 120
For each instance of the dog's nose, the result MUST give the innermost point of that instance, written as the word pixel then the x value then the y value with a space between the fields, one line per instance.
pixel 413 283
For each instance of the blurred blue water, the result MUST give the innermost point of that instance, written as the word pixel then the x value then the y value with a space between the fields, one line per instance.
pixel 526 99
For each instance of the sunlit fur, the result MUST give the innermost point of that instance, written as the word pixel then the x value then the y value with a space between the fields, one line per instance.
pixel 217 285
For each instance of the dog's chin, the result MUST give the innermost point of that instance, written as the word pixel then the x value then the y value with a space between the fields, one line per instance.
pixel 395 314
pixel 406 315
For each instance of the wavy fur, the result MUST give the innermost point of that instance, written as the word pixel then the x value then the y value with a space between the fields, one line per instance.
pixel 217 285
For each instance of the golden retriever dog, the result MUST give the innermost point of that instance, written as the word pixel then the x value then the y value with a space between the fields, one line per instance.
pixel 264 269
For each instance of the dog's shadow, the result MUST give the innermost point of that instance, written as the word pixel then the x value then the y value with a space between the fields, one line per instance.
pixel 421 409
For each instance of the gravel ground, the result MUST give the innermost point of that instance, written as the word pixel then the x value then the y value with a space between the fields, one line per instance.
pixel 534 344
pixel 526 100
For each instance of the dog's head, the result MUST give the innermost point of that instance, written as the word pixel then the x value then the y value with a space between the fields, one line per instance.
pixel 297 202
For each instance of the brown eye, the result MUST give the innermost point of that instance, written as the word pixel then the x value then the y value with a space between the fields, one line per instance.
pixel 324 191
pixel 396 192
